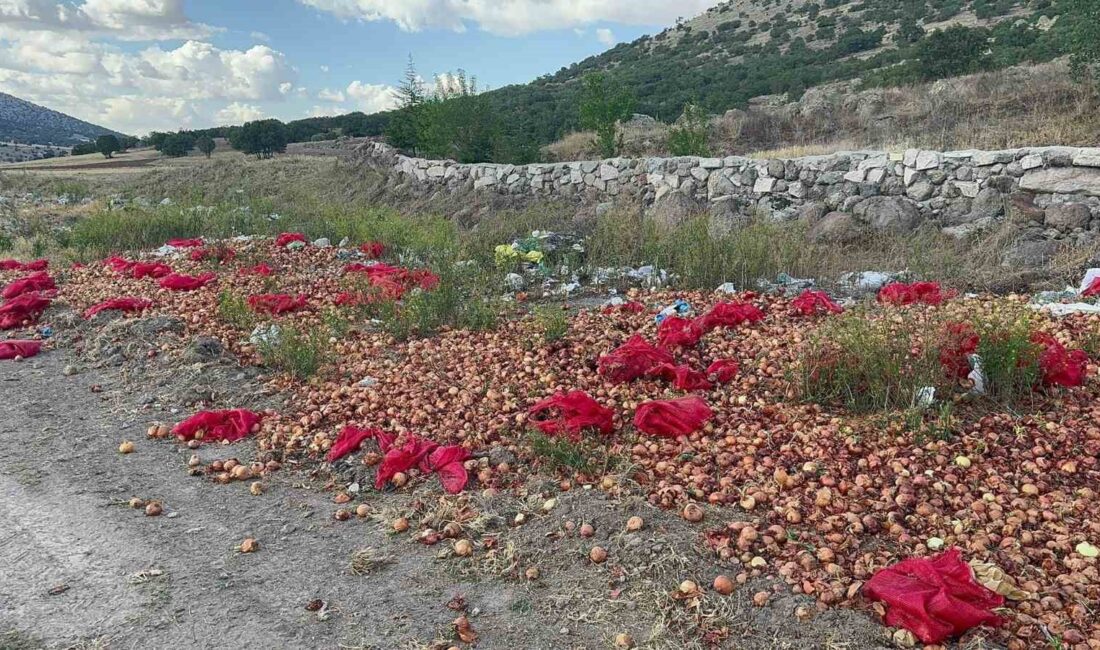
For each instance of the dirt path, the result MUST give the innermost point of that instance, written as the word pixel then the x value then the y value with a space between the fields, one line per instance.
pixel 79 568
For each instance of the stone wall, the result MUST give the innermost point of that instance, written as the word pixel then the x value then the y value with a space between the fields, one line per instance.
pixel 1051 193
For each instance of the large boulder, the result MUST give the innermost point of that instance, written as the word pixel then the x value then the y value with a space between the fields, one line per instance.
pixel 889 213
pixel 989 204
pixel 673 209
pixel 1063 180
pixel 729 215
pixel 1030 254
pixel 1022 208
pixel 1068 216
pixel 835 228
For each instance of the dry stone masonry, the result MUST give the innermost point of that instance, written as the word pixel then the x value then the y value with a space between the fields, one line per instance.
pixel 1052 193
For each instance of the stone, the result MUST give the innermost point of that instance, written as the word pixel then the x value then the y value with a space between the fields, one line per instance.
pixel 710 163
pixel 776 168
pixel 910 176
pixel 1031 161
pixel 958 212
pixel 437 171
pixel 921 191
pixel 876 175
pixel 673 209
pixel 1063 180
pixel 1030 253
pixel 1068 216
pixel 810 212
pixel 966 230
pixel 763 185
pixel 889 213
pixel 928 160
pixel 699 174
pixel 797 190
pixel 727 217
pixel 1087 158
pixel 608 172
pixel 989 203
pixel 969 189
pixel 855 176
pixel 987 158
pixel 1022 208
pixel 835 228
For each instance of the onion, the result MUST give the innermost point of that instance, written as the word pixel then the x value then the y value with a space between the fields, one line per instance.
pixel 256 489
pixel 126 447
pixel 624 640
pixel 400 525
pixel 634 524
pixel 249 545
pixel 362 510
pixel 532 573
pixel 598 554
pixel 760 598
pixel 463 548
pixel 587 530
pixel 153 509
pixel 723 585
pixel 693 512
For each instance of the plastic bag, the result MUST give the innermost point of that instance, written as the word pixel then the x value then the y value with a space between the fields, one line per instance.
pixel 207 426
pixel 39 281
pixel 119 304
pixel 1060 367
pixel 960 341
pixel 814 303
pixel 22 309
pixel 24 349
pixel 731 314
pixel 185 243
pixel 277 303
pixel 180 282
pixel 679 308
pixel 927 293
pixel 349 441
pixel 723 370
pixel 287 238
pixel 571 413
pixel 682 377
pixel 935 598
pixel 141 270
pixel 672 418
pixel 631 360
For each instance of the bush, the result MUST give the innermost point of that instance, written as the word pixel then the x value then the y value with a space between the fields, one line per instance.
pixel 689 136
pixel 1010 359
pixel 294 352
pixel 233 309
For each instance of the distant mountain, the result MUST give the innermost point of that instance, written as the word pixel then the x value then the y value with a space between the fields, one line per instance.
pixel 27 123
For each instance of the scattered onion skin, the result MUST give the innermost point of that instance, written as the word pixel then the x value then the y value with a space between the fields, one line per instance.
pixel 126 447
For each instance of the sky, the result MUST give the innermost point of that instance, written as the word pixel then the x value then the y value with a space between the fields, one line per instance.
pixel 142 65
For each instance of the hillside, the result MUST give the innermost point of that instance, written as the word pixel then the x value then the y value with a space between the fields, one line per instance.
pixel 750 48
pixel 26 123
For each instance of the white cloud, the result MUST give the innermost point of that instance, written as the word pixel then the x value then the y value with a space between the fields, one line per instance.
pixel 372 98
pixel 605 36
pixel 238 113
pixel 131 20
pixel 324 68
pixel 511 17
pixel 260 36
pixel 327 95
pixel 326 111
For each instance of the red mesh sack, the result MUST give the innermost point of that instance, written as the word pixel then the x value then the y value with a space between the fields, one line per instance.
pixel 935 598
pixel 400 458
pixel 672 418
pixel 723 370
pixel 119 304
pixel 1060 367
pixel 24 349
pixel 731 314
pixel 185 243
pixel 449 464
pixel 119 265
pixel 16 265
pixel 815 303
pixel 141 270
pixel 632 307
pixel 180 282
pixel 276 303
pixel 1093 289
pixel 571 413
pixel 22 309
pixel 206 426
pixel 927 293
pixel 261 269
pixel 287 238
pixel 676 331
pixel 220 254
pixel 682 377
pixel 40 281
pixel 960 341
pixel 631 360
pixel 349 441
pixel 373 249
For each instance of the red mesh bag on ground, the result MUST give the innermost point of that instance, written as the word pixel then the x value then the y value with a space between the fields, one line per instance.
pixel 119 304
pixel 682 377
pixel 632 307
pixel 723 370
pixel 373 249
pixel 448 463
pixel 349 441
pixel 39 281
pixel 631 360
pixel 262 270
pixel 288 238
pixel 1060 367
pixel 815 303
pixel 220 254
pixel 400 458
pixel 731 314
pixel 277 303
pixel 934 598
pixel 960 342
pixel 16 265
pixel 207 426
pixel 571 413
pixel 25 308
pixel 676 331
pixel 927 293
pixel 140 270
pixel 180 282
pixel 185 243
pixel 119 265
pixel 672 418
pixel 24 349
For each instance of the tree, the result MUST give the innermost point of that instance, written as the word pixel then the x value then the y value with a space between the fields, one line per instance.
pixel 953 51
pixel 177 145
pixel 264 138
pixel 457 122
pixel 206 145
pixel 689 136
pixel 604 103
pixel 1084 38
pixel 405 127
pixel 107 145
pixel 84 148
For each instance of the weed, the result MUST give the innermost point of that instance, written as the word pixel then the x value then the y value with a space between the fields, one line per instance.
pixel 336 323
pixel 366 560
pixel 295 353
pixel 1009 359
pixel 553 322
pixel 584 457
pixel 233 309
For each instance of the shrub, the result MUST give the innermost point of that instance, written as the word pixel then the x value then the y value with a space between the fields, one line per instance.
pixel 233 309
pixel 553 322
pixel 294 352
pixel 689 136
pixel 1009 357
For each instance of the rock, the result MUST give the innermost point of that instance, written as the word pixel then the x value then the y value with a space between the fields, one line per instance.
pixel 988 204
pixel 964 231
pixel 1063 180
pixel 921 191
pixel 1087 158
pixel 835 228
pixel 323 242
pixel 764 185
pixel 515 282
pixel 810 212
pixel 673 209
pixel 1068 216
pixel 1030 253
pixel 727 217
pixel 1022 208
pixel 776 168
pixel 205 348
pixel 889 213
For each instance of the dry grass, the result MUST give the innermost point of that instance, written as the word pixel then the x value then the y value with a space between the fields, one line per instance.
pixel 367 560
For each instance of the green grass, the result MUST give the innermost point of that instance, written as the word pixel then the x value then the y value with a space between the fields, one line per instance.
pixel 234 310
pixel 588 456
pixel 1010 361
pixel 296 353
pixel 553 322
pixel 464 299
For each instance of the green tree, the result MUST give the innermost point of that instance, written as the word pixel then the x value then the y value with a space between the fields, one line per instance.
pixel 457 122
pixel 107 145
pixel 206 145
pixel 689 136
pixel 264 138
pixel 604 103
pixel 177 145
pixel 405 127
pixel 1084 37
pixel 953 51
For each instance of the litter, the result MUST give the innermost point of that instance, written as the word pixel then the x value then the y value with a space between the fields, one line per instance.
pixel 571 413
pixel 38 281
pixel 1090 284
pixel 631 360
pixel 867 281
pixel 262 270
pixel 349 441
pixel 726 287
pixel 141 270
pixel 672 418
pixel 265 335
pixel 676 331
pixel 924 398
pixel 1060 310
pixel 399 459
pixel 16 265
pixel 180 282
pixel 229 425
pixel 119 304
pixel 961 342
pixel 184 243
pixel 723 370
pixel 22 309
pixel 287 238
pixel 934 598
pixel 927 293
pixel 682 377
pixel 993 578
pixel 372 249
pixel 19 349
pixel 1060 367
pixel 367 382
pixel 679 308
pixel 277 303
pixel 814 303
pixel 617 304
pixel 449 464
pixel 731 314
pixel 976 375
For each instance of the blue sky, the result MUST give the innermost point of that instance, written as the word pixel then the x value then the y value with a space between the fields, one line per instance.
pixel 141 65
